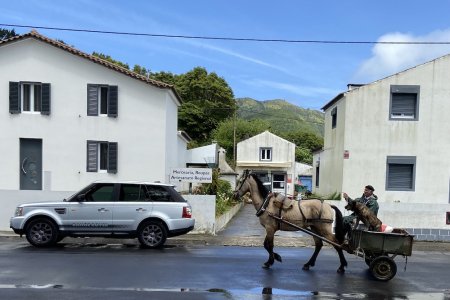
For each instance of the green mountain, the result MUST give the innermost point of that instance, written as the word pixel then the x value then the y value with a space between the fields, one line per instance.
pixel 281 115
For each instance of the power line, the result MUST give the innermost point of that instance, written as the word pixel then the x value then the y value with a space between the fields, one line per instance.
pixel 227 38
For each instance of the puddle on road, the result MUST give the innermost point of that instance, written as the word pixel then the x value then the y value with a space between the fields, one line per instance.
pixel 266 292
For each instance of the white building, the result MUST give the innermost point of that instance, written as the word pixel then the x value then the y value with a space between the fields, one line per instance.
pixel 68 118
pixel 392 134
pixel 271 157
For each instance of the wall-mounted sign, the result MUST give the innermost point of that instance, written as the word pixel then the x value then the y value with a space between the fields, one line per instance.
pixel 202 175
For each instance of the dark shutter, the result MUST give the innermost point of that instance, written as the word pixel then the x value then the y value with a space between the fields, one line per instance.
pixel 112 101
pixel 404 104
pixel 112 158
pixel 14 97
pixel 400 176
pixel 45 110
pixel 92 156
pixel 92 100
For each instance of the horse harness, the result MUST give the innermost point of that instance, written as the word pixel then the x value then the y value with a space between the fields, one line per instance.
pixel 307 221
pixel 319 219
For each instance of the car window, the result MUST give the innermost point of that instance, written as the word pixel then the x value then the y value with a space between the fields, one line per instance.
pixel 132 192
pixel 158 193
pixel 100 193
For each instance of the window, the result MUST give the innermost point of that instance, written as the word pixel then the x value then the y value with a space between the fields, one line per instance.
pixel 102 100
pixel 265 154
pixel 404 102
pixel 333 117
pixel 278 181
pixel 158 193
pixel 101 156
pixel 400 173
pixel 132 192
pixel 317 173
pixel 101 193
pixel 29 97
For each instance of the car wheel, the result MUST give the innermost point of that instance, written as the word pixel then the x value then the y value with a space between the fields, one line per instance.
pixel 42 233
pixel 152 234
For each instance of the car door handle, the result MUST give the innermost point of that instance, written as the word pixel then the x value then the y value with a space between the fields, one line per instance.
pixel 140 209
pixel 103 209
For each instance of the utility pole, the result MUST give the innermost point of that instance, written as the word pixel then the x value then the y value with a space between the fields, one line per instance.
pixel 234 137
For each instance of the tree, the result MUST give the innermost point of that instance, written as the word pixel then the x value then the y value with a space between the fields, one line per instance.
pixel 207 101
pixel 111 60
pixel 6 33
pixel 166 77
pixel 306 142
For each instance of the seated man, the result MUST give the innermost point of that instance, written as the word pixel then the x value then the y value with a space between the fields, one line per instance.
pixel 368 198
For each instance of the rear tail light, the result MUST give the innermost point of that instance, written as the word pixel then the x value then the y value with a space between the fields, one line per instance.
pixel 187 212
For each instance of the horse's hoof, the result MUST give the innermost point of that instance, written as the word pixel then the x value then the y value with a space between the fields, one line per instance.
pixel 266 266
pixel 340 271
pixel 305 268
pixel 277 257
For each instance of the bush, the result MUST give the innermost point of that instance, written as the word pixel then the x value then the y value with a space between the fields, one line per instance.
pixel 222 189
pixel 332 196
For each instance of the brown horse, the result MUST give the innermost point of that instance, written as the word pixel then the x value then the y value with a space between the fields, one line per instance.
pixel 313 215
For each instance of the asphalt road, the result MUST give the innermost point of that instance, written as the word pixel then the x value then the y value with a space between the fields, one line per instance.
pixel 117 271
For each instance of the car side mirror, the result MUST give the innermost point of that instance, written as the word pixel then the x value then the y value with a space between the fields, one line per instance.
pixel 81 197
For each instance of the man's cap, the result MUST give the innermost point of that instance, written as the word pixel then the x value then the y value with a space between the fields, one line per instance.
pixel 369 187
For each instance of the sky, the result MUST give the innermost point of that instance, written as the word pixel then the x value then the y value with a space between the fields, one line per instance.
pixel 305 74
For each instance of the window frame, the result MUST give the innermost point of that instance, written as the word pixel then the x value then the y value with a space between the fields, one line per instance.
pixel 265 151
pixel 94 157
pixel 317 178
pixel 334 117
pixel 17 95
pixel 96 99
pixel 404 89
pixel 400 160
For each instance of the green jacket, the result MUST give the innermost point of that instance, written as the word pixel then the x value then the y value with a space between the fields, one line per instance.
pixel 370 202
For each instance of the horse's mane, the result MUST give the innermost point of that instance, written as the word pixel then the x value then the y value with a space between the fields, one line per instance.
pixel 262 189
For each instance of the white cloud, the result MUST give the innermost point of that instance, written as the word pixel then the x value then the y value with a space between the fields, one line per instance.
pixel 388 59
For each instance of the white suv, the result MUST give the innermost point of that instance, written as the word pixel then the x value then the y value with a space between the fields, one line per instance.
pixel 149 211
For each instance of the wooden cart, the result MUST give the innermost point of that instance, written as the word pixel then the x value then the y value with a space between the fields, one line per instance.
pixel 377 248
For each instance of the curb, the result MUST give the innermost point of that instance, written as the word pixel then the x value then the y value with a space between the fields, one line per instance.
pixel 218 240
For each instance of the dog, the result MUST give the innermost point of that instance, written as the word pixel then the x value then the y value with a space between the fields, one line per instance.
pixel 364 214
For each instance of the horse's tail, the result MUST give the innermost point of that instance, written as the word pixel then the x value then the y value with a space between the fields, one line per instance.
pixel 339 229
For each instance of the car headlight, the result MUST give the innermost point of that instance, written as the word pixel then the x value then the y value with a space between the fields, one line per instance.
pixel 19 211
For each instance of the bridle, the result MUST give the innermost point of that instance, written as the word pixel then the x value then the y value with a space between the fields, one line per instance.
pixel 265 203
pixel 241 181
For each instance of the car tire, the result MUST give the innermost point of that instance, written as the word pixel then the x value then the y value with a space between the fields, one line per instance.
pixel 152 234
pixel 42 232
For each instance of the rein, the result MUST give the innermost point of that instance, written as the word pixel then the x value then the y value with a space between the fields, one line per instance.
pixel 264 205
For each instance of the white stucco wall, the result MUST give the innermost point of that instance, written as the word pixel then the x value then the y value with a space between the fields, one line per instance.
pixel 370 137
pixel 331 158
pixel 145 129
pixel 283 156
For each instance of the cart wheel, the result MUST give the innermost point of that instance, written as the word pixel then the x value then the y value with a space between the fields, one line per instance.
pixel 383 268
pixel 368 260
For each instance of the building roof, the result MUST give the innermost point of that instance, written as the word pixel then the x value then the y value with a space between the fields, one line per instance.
pixel 332 101
pixel 351 87
pixel 265 133
pixel 35 35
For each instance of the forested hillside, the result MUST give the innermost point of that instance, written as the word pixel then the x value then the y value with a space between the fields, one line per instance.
pixel 281 115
